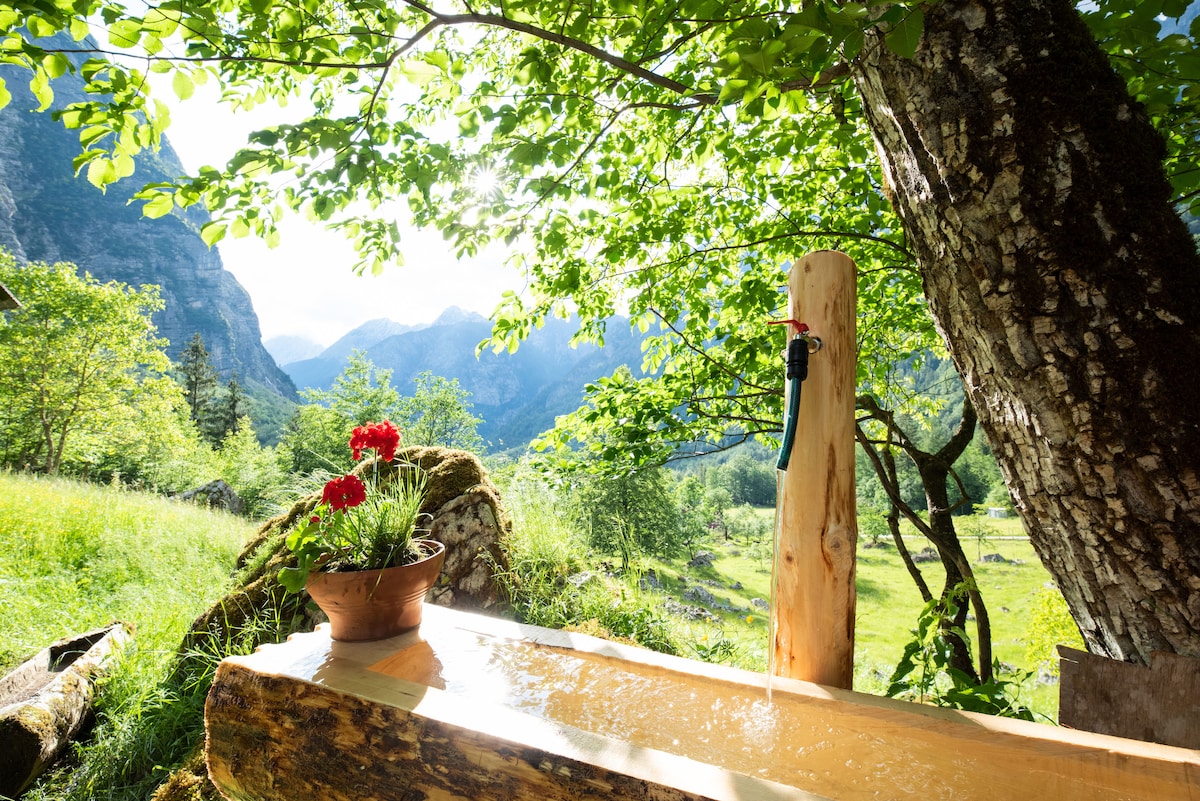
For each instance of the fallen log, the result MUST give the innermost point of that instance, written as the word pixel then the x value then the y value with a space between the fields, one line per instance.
pixel 46 701
pixel 470 707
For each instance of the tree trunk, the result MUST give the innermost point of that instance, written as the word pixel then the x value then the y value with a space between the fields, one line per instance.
pixel 935 470
pixel 893 521
pixel 1067 289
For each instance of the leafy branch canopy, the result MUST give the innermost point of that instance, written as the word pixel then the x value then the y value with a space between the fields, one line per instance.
pixel 666 161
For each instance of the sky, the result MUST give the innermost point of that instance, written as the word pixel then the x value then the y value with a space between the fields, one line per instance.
pixel 305 287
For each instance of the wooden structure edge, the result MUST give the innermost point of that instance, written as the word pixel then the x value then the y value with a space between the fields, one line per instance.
pixel 283 723
pixel 304 740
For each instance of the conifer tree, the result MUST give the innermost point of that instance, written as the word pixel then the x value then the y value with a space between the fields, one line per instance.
pixel 198 377
pixel 225 413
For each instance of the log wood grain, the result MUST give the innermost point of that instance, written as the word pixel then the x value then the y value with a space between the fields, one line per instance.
pixel 472 707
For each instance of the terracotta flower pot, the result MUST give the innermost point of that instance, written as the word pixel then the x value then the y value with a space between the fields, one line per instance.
pixel 376 604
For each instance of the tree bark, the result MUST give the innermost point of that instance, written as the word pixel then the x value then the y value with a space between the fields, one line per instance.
pixel 1067 289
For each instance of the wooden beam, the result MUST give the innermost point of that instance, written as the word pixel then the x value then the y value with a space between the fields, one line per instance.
pixel 813 609
pixel 471 707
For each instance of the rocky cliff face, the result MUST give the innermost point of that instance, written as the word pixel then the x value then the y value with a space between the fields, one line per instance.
pixel 47 214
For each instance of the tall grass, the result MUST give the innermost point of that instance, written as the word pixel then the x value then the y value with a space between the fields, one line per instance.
pixel 549 558
pixel 80 556
pixel 553 582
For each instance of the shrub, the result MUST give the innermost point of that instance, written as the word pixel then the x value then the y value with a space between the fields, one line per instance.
pixel 1050 625
pixel 546 582
pixel 925 673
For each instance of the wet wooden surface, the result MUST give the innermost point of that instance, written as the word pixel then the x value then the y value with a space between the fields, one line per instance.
pixel 471 707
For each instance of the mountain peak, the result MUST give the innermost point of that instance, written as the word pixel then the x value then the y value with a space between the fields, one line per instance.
pixel 364 336
pixel 453 315
pixel 288 348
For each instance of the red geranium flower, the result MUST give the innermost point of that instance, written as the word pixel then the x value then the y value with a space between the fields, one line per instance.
pixel 383 437
pixel 344 492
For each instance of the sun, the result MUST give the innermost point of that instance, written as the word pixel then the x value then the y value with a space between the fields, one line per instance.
pixel 485 182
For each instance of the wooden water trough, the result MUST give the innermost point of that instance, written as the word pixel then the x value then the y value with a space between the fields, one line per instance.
pixel 471 707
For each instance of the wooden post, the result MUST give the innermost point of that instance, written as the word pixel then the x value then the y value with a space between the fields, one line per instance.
pixel 813 607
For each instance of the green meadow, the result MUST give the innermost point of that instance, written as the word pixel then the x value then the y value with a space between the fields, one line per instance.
pixel 79 556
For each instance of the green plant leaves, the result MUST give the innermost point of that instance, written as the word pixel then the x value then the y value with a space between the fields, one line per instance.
pixel 903 37
pixel 664 161
pixel 183 85
pixel 213 232
pixel 159 206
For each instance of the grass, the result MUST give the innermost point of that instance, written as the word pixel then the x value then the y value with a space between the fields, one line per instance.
pixel 888 605
pixel 80 556
pixel 551 585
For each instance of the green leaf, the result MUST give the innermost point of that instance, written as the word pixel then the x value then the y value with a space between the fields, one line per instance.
pixel 159 206
pixel 124 33
pixel 5 95
pixel 904 37
pixel 56 64
pixel 161 24
pixel 213 232
pixel 1175 8
pixel 123 165
pixel 293 578
pixel 40 28
pixel 183 85
pixel 288 22
pixel 419 72
pixel 40 86
pixel 101 173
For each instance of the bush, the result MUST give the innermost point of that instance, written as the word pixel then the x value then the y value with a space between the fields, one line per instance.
pixel 999 498
pixel 254 472
pixel 873 525
pixel 546 583
pixel 1050 625
pixel 925 673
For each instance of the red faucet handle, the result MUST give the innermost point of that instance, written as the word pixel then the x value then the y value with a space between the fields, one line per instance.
pixel 801 328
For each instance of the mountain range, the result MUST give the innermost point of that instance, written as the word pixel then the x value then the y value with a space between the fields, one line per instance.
pixel 47 213
pixel 517 395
